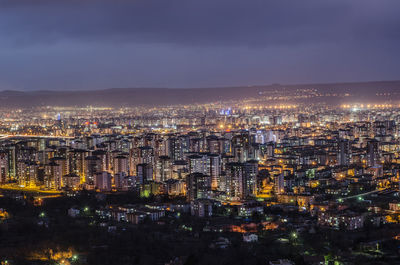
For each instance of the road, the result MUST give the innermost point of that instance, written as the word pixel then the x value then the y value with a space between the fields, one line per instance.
pixel 362 194
pixel 4 136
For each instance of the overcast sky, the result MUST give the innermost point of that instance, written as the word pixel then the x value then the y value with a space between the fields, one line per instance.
pixel 95 44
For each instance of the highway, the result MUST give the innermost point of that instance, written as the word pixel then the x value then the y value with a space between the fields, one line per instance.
pixel 362 194
pixel 4 136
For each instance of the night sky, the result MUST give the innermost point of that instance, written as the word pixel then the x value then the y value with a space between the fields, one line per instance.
pixel 88 44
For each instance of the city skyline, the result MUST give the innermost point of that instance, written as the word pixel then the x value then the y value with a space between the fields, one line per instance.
pixel 234 182
pixel 199 132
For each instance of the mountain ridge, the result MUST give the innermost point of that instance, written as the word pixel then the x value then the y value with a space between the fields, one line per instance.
pixel 115 97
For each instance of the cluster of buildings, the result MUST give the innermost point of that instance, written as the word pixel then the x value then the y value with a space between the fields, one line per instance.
pixel 315 159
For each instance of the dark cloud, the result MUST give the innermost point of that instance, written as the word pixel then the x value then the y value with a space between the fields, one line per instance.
pixel 205 22
pixel 262 40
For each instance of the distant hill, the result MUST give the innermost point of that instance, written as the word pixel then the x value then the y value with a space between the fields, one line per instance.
pixel 115 97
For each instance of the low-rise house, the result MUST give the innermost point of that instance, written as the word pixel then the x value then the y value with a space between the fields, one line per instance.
pixel 250 237
pixel 201 208
pixel 73 212
pixel 341 219
pixel 248 209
